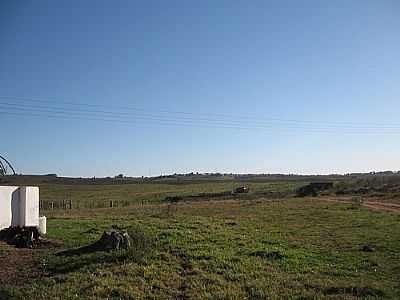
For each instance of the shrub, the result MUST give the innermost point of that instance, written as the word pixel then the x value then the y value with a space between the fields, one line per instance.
pixel 142 245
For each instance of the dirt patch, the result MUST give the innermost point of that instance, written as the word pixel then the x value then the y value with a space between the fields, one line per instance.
pixel 389 207
pixel 187 270
pixel 374 205
pixel 20 266
pixel 17 265
pixel 46 244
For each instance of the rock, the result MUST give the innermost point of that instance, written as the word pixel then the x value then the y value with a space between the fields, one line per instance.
pixel 113 240
pixel 126 241
pixel 110 240
pixel 241 190
pixel 367 248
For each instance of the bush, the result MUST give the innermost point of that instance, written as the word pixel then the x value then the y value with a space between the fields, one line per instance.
pixel 142 245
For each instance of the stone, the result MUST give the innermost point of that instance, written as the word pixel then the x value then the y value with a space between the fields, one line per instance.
pixel 113 240
pixel 367 248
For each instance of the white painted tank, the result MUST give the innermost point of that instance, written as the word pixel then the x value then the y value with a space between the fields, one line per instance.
pixel 29 206
pixel 19 206
pixel 42 225
pixel 8 195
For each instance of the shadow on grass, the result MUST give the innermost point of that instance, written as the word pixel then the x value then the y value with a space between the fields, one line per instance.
pixel 9 292
pixel 79 251
pixel 86 259
pixel 349 290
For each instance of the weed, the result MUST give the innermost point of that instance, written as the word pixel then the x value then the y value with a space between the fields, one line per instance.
pixel 142 245
pixel 268 255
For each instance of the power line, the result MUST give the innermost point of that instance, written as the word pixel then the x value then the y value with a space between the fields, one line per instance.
pixel 84 115
pixel 227 117
pixel 108 114
pixel 111 114
pixel 180 124
pixel 162 119
pixel 88 118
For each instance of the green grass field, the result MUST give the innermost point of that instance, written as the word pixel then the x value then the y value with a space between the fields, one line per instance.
pixel 246 249
pixel 99 196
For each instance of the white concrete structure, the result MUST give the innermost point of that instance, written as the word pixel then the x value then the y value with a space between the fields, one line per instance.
pixel 19 206
pixel 8 195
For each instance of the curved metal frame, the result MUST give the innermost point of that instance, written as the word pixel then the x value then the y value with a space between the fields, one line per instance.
pixel 3 168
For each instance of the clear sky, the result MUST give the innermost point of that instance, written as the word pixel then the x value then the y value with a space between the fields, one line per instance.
pixel 97 88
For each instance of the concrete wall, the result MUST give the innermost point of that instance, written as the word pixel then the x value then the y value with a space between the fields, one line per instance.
pixel 19 206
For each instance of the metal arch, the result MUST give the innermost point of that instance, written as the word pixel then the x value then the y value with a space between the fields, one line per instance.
pixel 3 168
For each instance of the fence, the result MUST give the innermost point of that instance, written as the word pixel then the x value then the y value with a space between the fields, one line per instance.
pixel 68 204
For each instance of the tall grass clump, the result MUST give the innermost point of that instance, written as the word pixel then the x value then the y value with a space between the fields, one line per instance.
pixel 142 245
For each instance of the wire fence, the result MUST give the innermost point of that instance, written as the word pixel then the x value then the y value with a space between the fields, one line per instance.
pixel 69 204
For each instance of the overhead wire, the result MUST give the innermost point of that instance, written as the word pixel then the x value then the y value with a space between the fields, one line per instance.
pixel 167 118
pixel 208 114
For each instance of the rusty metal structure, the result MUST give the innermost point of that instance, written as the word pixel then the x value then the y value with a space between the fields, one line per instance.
pixel 5 167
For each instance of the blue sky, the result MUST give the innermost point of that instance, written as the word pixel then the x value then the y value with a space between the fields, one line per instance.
pixel 322 78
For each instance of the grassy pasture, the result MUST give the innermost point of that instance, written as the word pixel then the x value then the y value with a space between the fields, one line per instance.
pixel 258 249
pixel 98 196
